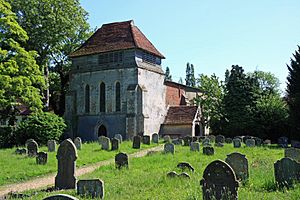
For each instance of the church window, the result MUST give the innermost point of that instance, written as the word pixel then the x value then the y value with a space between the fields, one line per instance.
pixel 87 98
pixel 118 97
pixel 102 97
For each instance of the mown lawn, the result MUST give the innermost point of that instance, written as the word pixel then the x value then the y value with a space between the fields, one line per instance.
pixel 146 176
pixel 16 168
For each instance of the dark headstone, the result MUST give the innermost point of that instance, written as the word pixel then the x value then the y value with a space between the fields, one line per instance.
pixel 91 188
pixel 167 138
pixel 172 174
pixel 42 158
pixel 121 160
pixel 239 163
pixel 177 141
pixel 201 138
pixel 228 140
pixel 237 143
pixel 283 142
pixel 194 139
pixel 105 145
pixel 206 142
pixel 211 138
pixel 115 143
pixel 185 165
pixel 220 139
pixel 250 143
pixel 61 197
pixel 208 151
pixel 184 175
pixel 136 144
pixel 195 146
pixel 187 140
pixel 32 148
pixel 246 138
pixel 146 139
pixel 155 138
pixel 21 151
pixel 287 171
pixel 169 148
pixel 258 141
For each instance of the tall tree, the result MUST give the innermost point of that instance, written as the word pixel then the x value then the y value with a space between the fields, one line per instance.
pixel 20 76
pixel 190 75
pixel 55 29
pixel 293 93
pixel 168 75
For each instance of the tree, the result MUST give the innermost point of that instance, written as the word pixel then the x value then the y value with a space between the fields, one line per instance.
pixel 293 93
pixel 55 29
pixel 190 75
pixel 20 77
pixel 168 75
pixel 268 82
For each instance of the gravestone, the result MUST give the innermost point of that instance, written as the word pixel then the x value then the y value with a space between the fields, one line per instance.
pixel 78 143
pixel 244 138
pixel 219 182
pixel 185 165
pixel 195 146
pixel 121 160
pixel 292 153
pixel 42 158
pixel 100 139
pixel 219 144
pixel 155 138
pixel 21 151
pixel 167 138
pixel 51 144
pixel 194 139
pixel 237 143
pixel 208 151
pixel 172 174
pixel 258 141
pixel 177 141
pixel 287 171
pixel 295 144
pixel 228 140
pixel 239 163
pixel 61 197
pixel 187 140
pixel 184 175
pixel 32 148
pixel 220 139
pixel 115 143
pixel 267 142
pixel 136 144
pixel 206 142
pixel 169 148
pixel 105 144
pixel 146 139
pixel 212 138
pixel 283 142
pixel 66 156
pixel 91 188
pixel 119 137
pixel 250 143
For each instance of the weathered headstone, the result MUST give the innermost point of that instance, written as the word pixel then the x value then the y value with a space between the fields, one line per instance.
pixel 32 148
pixel 119 137
pixel 212 138
pixel 295 144
pixel 115 143
pixel 121 160
pixel 61 197
pixel 220 139
pixel 237 143
pixel 219 182
pixel 91 188
pixel 77 142
pixel 208 151
pixel 292 153
pixel 250 143
pixel 228 140
pixel 246 138
pixel 187 140
pixel 172 174
pixel 136 143
pixel 239 163
pixel 206 142
pixel 195 146
pixel 146 139
pixel 287 171
pixel 184 175
pixel 169 148
pixel 105 144
pixel 155 138
pixel 21 151
pixel 283 142
pixel 167 138
pixel 42 158
pixel 100 139
pixel 258 141
pixel 27 141
pixel 185 165
pixel 51 144
pixel 66 156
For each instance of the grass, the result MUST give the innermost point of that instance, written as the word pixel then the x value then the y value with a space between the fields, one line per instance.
pixel 17 168
pixel 146 176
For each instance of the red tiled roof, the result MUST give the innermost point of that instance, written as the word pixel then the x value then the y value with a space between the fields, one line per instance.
pixel 116 36
pixel 181 115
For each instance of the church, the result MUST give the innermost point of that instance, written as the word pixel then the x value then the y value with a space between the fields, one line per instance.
pixel 117 86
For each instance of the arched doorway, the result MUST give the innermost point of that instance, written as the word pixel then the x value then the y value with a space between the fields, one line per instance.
pixel 102 131
pixel 197 130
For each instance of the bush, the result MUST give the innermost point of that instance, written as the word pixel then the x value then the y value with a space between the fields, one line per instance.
pixel 7 136
pixel 41 127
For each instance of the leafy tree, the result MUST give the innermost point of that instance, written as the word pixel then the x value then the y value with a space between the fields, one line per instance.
pixel 20 76
pixel 168 75
pixel 55 29
pixel 268 82
pixel 190 75
pixel 293 93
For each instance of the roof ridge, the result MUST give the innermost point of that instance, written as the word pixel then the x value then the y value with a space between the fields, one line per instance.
pixel 132 34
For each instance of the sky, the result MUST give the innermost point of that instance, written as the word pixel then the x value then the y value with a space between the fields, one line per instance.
pixel 212 35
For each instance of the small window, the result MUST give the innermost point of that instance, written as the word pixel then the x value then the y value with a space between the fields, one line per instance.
pixel 118 97
pixel 87 99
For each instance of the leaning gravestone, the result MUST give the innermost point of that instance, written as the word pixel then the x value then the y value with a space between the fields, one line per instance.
pixel 239 163
pixel 206 142
pixel 155 138
pixel 250 143
pixel 136 144
pixel 32 148
pixel 169 148
pixel 51 144
pixel 61 197
pixel 228 140
pixel 91 188
pixel 167 138
pixel 121 160
pixel 237 143
pixel 115 143
pixel 105 144
pixel 42 158
pixel 292 153
pixel 287 171
pixel 78 143
pixel 283 142
pixel 295 144
pixel 146 139
pixel 119 137
pixel 187 140
pixel 212 138
pixel 219 182
pixel 195 146
pixel 208 151
pixel 220 139
pixel 66 156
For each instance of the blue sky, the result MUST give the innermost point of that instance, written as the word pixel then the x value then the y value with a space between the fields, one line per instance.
pixel 212 35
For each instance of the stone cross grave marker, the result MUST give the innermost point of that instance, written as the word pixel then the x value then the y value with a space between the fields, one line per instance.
pixel 169 148
pixel 93 188
pixel 115 143
pixel 195 146
pixel 250 143
pixel 155 138
pixel 119 137
pixel 136 144
pixel 146 139
pixel 219 182
pixel 51 144
pixel 121 160
pixel 220 139
pixel 77 142
pixel 32 148
pixel 208 151
pixel 239 163
pixel 42 158
pixel 105 144
pixel 66 156
pixel 287 171
pixel 292 153
pixel 237 142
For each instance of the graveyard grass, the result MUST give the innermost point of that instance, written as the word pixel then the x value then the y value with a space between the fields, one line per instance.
pixel 146 176
pixel 16 168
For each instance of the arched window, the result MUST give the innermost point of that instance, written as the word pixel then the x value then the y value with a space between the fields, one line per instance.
pixel 102 97
pixel 118 97
pixel 87 98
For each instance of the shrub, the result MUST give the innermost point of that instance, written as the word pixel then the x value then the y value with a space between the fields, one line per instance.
pixel 7 136
pixel 41 127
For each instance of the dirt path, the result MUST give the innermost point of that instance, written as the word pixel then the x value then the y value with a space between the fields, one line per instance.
pixel 49 179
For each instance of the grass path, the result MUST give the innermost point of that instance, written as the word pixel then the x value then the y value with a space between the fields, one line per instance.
pixel 49 179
